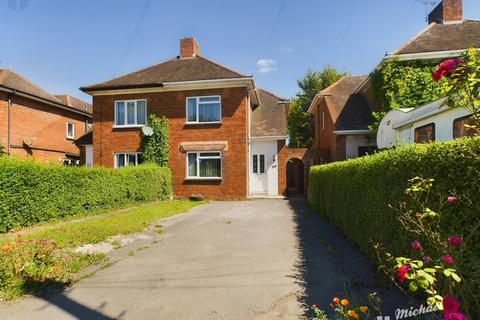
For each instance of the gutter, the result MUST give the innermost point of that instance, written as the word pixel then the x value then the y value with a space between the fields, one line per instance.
pixel 426 55
pixel 43 100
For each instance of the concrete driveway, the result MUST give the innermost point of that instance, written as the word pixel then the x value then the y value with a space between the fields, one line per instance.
pixel 259 259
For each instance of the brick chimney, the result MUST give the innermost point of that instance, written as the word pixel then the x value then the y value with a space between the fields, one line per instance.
pixel 447 10
pixel 189 48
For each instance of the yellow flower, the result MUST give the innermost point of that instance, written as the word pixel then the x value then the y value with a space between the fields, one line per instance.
pixel 345 302
pixel 336 300
pixel 356 316
pixel 364 309
pixel 351 313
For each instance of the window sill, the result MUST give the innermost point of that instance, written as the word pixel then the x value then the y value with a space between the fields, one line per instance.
pixel 71 138
pixel 202 179
pixel 202 123
pixel 136 126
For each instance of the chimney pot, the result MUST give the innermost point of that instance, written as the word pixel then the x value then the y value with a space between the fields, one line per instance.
pixel 189 47
pixel 445 11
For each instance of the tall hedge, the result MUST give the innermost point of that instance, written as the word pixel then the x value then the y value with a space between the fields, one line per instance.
pixel 356 195
pixel 31 192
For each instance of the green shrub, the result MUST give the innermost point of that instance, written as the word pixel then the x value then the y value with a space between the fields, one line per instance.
pixel 361 197
pixel 31 192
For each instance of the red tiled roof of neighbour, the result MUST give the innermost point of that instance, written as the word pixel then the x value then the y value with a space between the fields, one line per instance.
pixel 348 110
pixel 74 102
pixel 458 35
pixel 172 70
pixel 13 81
pixel 269 119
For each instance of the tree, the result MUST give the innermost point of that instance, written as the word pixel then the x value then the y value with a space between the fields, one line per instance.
pixel 155 146
pixel 300 122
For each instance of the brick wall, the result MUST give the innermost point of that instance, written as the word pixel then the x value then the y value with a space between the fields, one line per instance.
pixel 233 129
pixel 40 123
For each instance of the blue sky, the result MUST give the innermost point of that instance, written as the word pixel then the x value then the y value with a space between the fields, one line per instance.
pixel 64 44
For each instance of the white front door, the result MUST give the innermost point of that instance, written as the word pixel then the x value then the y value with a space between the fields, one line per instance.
pixel 263 168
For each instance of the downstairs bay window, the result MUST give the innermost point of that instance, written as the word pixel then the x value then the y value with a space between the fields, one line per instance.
pixel 204 165
pixel 128 159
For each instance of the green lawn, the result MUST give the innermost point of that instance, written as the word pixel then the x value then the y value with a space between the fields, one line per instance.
pixel 23 271
pixel 97 229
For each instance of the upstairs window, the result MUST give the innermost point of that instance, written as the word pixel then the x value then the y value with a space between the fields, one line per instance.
pixel 463 127
pixel 70 130
pixel 204 109
pixel 128 159
pixel 425 134
pixel 130 113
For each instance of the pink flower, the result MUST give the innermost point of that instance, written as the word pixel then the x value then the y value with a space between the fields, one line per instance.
pixel 447 259
pixel 454 316
pixel 416 245
pixel 455 240
pixel 451 199
pixel 445 68
pixel 426 259
pixel 402 272
pixel 450 304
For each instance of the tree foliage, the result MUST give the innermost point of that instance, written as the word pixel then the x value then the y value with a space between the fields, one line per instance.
pixel 155 147
pixel 300 122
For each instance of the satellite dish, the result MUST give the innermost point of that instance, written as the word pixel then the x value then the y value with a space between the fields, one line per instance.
pixel 147 131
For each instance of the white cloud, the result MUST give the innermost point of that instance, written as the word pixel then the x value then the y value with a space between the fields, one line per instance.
pixel 266 66
pixel 286 49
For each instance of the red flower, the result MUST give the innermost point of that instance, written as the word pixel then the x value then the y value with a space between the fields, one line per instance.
pixel 447 259
pixel 450 304
pixel 445 68
pixel 454 316
pixel 416 245
pixel 455 240
pixel 402 272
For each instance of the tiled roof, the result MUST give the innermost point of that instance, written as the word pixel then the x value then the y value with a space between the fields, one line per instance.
pixel 73 102
pixel 348 110
pixel 15 81
pixel 86 139
pixel 172 70
pixel 444 37
pixel 269 119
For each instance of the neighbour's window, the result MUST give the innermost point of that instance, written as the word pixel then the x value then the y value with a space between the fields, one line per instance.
pixel 258 163
pixel 130 112
pixel 88 126
pixel 425 134
pixel 70 130
pixel 128 159
pixel 70 162
pixel 204 165
pixel 204 109
pixel 464 127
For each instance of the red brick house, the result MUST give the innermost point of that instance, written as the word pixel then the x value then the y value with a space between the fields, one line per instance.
pixel 341 118
pixel 35 123
pixel 225 134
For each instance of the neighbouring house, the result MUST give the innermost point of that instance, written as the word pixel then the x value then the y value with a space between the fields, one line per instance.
pixel 431 122
pixel 341 118
pixel 227 137
pixel 35 123
pixel 85 144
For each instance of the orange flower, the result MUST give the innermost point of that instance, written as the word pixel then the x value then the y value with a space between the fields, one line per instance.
pixel 13 244
pixel 5 247
pixel 336 300
pixel 345 302
pixel 364 309
pixel 351 313
pixel 356 316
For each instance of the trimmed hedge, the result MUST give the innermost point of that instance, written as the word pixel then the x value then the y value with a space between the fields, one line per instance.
pixel 31 192
pixel 355 195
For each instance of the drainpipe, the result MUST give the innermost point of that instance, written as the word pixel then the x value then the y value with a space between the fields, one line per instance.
pixel 9 124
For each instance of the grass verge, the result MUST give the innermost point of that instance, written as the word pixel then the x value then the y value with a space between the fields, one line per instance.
pixel 21 270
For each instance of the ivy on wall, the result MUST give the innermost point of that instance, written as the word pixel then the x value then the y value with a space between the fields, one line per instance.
pixel 155 146
pixel 403 84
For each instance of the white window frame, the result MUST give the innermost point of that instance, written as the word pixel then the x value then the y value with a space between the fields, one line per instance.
pixel 73 130
pixel 198 108
pixel 197 177
pixel 126 158
pixel 125 125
